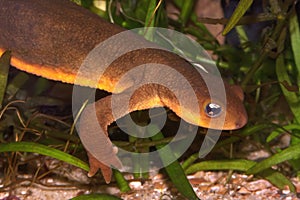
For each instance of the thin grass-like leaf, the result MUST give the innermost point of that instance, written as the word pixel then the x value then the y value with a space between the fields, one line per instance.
pixel 273 176
pixel 174 170
pixel 238 13
pixel 150 17
pixel 186 11
pixel 4 67
pixel 239 165
pixel 96 197
pixel 295 41
pixel 292 152
pixel 16 83
pixel 291 97
pixel 121 181
pixel 280 130
pixel 188 162
pixel 277 179
pixel 43 150
pixel 246 132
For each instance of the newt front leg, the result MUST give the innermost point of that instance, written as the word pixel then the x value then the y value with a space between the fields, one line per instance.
pixel 94 136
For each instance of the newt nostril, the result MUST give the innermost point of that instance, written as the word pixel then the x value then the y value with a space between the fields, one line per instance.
pixel 240 123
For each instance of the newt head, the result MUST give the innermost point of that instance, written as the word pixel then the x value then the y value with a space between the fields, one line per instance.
pixel 220 105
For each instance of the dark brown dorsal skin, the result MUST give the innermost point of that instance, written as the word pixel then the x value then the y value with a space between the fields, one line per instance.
pixel 51 38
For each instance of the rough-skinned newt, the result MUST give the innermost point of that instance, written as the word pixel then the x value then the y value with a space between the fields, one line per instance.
pixel 51 38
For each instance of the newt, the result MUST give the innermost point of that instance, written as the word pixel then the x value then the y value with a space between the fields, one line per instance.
pixel 51 39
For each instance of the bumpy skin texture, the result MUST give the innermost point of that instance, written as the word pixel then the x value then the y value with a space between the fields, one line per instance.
pixel 51 38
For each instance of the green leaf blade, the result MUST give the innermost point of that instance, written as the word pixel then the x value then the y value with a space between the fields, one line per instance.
pixel 96 197
pixel 291 97
pixel 239 165
pixel 43 150
pixel 237 15
pixel 174 170
pixel 295 40
pixel 292 152
pixel 4 68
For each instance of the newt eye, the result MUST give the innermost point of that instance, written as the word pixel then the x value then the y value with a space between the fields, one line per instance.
pixel 213 110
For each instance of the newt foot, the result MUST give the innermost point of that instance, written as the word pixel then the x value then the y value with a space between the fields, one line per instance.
pixel 106 170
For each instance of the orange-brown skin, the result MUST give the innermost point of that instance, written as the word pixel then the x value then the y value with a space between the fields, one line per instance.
pixel 51 38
